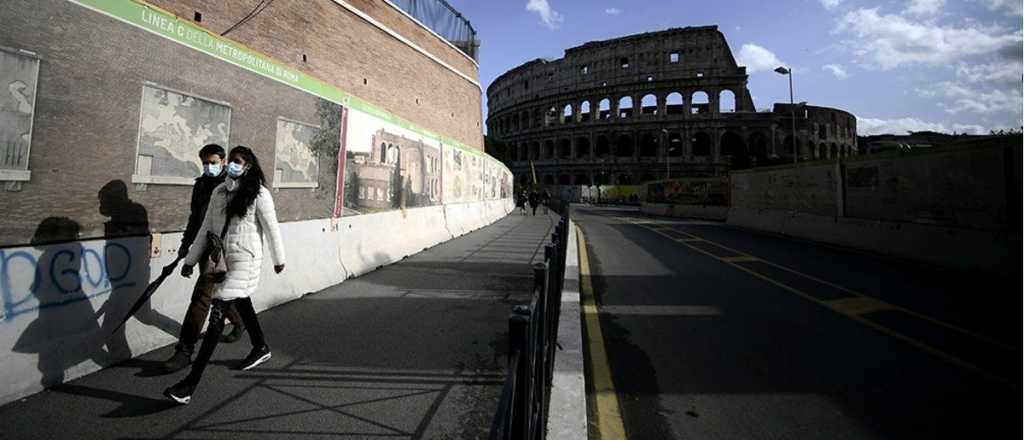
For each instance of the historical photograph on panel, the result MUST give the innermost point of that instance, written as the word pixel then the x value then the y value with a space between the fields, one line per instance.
pixel 18 74
pixel 172 127
pixel 388 167
pixel 296 164
pixel 463 175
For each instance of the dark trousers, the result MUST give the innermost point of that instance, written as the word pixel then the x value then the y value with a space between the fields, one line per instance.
pixel 244 308
pixel 198 308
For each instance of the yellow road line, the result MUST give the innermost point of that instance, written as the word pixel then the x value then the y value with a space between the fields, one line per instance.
pixel 606 401
pixel 853 312
pixel 852 292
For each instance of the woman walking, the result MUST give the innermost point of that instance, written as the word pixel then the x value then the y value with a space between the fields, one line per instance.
pixel 242 210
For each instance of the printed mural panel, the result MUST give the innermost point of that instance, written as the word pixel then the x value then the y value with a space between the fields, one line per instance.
pixel 388 167
pixel 296 163
pixel 18 76
pixel 173 126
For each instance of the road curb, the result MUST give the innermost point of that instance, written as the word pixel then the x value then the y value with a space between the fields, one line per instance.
pixel 567 411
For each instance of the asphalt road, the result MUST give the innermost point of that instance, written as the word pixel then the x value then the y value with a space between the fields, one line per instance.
pixel 414 350
pixel 718 333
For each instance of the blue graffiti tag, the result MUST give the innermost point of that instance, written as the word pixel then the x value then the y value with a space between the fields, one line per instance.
pixel 66 281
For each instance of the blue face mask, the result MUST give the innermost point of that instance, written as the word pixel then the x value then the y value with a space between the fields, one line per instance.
pixel 235 170
pixel 213 169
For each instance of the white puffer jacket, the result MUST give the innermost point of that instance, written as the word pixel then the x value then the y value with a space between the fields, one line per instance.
pixel 243 242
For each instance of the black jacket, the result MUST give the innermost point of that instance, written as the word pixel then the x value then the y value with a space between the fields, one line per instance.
pixel 201 191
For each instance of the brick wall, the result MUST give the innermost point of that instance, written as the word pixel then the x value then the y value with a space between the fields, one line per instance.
pixel 344 50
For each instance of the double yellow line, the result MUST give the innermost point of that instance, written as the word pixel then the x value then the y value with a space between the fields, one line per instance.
pixel 606 401
pixel 854 307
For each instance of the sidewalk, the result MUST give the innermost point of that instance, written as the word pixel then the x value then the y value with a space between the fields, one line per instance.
pixel 413 350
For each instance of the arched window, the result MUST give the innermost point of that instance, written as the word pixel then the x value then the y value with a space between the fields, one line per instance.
pixel 564 149
pixel 535 151
pixel 549 149
pixel 726 101
pixel 823 150
pixel 649 105
pixel 625 107
pixel 550 116
pixel 624 179
pixel 813 149
pixel 732 145
pixel 603 146
pixel 674 103
pixel 582 179
pixel 758 144
pixel 567 113
pixel 582 147
pixel 699 103
pixel 624 146
pixel 585 111
pixel 383 152
pixel 564 179
pixel 604 109
pixel 549 179
pixel 601 178
pixel 648 145
pixel 701 144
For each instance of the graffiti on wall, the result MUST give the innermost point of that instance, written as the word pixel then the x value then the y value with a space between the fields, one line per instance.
pixel 689 192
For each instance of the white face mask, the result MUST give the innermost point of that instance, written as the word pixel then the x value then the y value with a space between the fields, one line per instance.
pixel 213 169
pixel 235 170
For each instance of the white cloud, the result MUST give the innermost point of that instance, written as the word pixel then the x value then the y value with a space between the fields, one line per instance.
pixel 837 70
pixel 1004 72
pixel 890 41
pixel 971 100
pixel 613 11
pixel 1011 7
pixel 830 4
pixel 551 18
pixel 924 7
pixel 757 58
pixel 871 126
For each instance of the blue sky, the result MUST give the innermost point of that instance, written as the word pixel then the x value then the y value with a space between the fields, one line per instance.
pixel 898 65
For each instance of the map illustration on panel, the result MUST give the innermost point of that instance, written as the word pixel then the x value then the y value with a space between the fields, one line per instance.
pixel 18 75
pixel 296 163
pixel 172 128
pixel 388 167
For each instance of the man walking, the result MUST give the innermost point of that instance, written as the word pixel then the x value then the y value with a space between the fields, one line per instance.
pixel 534 201
pixel 212 157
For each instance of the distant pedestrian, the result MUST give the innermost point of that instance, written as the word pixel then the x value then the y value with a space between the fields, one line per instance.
pixel 545 199
pixel 213 158
pixel 521 202
pixel 243 210
pixel 534 201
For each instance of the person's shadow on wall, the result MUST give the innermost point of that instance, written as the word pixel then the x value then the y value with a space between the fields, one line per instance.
pixel 66 332
pixel 127 266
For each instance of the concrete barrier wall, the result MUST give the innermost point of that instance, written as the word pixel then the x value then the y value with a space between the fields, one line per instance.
pixel 61 302
pixel 716 213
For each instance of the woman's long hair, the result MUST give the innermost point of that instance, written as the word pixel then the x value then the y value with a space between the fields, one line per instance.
pixel 249 184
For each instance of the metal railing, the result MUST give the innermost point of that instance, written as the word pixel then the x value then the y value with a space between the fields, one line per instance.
pixel 533 329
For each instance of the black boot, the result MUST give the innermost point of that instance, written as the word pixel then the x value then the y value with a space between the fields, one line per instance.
pixel 181 358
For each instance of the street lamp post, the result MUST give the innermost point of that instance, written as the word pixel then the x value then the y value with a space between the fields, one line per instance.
pixel 792 112
pixel 668 157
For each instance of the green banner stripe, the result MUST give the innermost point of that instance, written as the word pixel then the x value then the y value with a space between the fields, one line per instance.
pixel 184 32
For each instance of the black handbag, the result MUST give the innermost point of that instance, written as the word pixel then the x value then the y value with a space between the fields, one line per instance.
pixel 217 262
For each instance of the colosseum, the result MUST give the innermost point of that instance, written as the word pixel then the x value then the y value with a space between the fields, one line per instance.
pixel 672 103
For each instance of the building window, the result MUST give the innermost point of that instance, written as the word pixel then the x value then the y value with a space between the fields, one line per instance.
pixel 700 74
pixel 673 57
pixel 585 69
pixel 21 75
pixel 650 78
pixel 624 62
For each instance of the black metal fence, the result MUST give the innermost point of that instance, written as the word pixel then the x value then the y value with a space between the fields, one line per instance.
pixel 533 329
